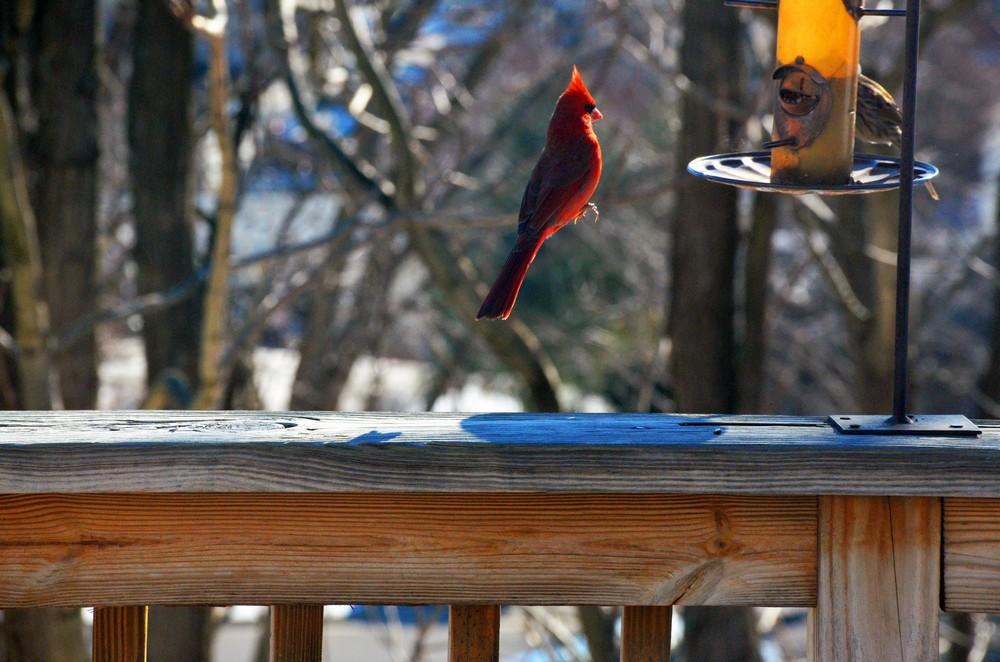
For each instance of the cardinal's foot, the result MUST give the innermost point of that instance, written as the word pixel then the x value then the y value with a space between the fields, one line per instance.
pixel 597 212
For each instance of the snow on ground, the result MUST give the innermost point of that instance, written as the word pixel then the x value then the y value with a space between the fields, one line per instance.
pixel 400 384
pixel 274 374
pixel 121 374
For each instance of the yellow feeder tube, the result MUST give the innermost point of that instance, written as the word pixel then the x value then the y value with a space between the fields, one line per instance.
pixel 824 35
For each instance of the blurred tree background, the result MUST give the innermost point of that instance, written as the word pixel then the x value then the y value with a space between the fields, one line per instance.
pixel 299 204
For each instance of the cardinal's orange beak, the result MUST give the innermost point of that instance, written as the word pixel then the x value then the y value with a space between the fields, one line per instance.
pixel 596 115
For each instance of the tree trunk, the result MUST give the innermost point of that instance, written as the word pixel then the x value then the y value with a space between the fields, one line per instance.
pixel 861 226
pixel 44 635
pixel 989 383
pixel 720 634
pixel 64 80
pixel 756 281
pixel 598 628
pixel 215 306
pixel 701 322
pixel 180 634
pixel 20 254
pixel 322 374
pixel 159 160
pixel 705 228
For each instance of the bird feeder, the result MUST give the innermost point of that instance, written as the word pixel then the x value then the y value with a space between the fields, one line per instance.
pixel 819 51
pixel 812 151
pixel 815 96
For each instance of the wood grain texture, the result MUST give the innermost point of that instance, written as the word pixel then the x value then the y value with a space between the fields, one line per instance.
pixel 972 555
pixel 120 634
pixel 297 633
pixel 157 452
pixel 646 634
pixel 474 633
pixel 536 549
pixel 879 580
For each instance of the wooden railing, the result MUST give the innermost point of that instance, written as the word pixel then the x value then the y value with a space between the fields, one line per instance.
pixel 121 510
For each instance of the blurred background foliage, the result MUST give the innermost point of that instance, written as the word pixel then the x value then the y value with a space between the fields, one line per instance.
pixel 298 204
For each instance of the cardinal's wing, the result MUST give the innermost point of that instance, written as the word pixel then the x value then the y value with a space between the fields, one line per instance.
pixel 557 178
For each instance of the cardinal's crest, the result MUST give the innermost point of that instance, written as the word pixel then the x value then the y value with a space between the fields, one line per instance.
pixel 577 86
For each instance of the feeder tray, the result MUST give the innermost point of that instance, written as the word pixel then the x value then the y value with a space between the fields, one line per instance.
pixel 752 170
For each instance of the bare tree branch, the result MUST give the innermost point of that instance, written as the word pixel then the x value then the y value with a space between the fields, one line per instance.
pixel 401 26
pixel 147 303
pixel 558 629
pixel 721 107
pixel 482 62
pixel 933 19
pixel 387 96
pixel 23 259
pixel 299 284
pixel 216 305
pixel 361 175
pixel 817 242
pixel 336 239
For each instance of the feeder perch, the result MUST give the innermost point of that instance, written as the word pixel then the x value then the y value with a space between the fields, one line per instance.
pixel 752 170
pixel 812 151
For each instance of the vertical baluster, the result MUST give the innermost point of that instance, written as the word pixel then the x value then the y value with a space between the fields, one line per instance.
pixel 120 634
pixel 879 579
pixel 646 634
pixel 297 633
pixel 474 633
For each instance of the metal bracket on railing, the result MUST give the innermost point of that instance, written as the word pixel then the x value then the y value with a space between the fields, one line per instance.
pixel 924 426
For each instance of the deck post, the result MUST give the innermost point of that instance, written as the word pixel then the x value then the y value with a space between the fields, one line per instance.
pixel 646 634
pixel 297 633
pixel 474 633
pixel 879 579
pixel 120 634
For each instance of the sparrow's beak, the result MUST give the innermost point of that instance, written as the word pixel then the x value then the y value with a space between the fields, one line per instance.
pixel 596 115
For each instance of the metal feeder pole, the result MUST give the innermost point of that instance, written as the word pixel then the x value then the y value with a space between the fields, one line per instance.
pixel 900 422
pixel 903 252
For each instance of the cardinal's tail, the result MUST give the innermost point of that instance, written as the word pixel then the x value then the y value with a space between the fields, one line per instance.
pixel 500 301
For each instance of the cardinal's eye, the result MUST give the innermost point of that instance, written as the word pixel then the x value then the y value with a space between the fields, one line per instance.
pixel 590 108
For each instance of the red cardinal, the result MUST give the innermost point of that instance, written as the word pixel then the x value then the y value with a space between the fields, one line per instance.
pixel 559 191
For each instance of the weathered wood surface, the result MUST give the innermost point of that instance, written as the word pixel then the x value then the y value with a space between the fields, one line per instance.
pixel 259 452
pixel 297 633
pixel 879 580
pixel 646 634
pixel 972 555
pixel 120 634
pixel 474 633
pixel 535 549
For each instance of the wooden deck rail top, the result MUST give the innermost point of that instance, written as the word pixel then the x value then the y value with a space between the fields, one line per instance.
pixel 171 452
pixel 121 510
